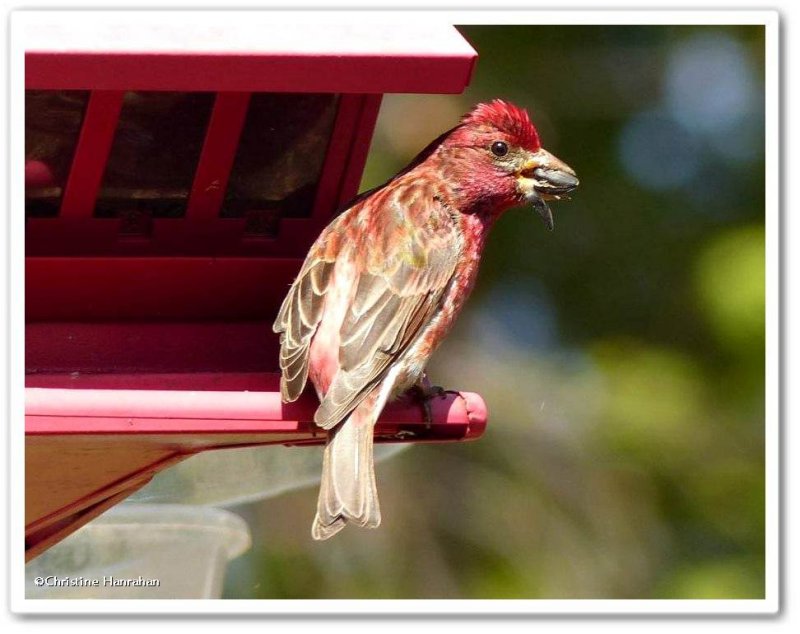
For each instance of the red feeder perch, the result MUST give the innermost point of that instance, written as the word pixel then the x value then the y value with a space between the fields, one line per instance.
pixel 172 191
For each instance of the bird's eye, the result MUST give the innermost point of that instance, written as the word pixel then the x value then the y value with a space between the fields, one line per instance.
pixel 499 148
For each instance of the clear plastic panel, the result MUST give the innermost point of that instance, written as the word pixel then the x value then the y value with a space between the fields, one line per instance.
pixel 279 159
pixel 153 157
pixel 235 476
pixel 52 124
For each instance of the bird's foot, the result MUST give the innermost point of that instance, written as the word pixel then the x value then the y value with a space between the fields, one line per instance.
pixel 423 392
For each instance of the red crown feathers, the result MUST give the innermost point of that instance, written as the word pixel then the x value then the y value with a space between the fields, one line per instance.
pixel 507 118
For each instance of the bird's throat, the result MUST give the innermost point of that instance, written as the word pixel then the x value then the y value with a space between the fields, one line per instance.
pixel 475 230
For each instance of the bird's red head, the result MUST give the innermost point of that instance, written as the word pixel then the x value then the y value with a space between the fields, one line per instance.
pixel 504 117
pixel 496 158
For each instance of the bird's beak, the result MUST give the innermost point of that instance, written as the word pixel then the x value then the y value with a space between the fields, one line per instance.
pixel 544 177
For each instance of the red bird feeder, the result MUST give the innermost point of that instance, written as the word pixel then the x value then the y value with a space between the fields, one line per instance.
pixel 175 179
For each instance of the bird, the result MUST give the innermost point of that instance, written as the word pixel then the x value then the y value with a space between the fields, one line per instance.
pixel 383 283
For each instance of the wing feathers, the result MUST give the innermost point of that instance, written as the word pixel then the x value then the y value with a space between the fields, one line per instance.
pixel 297 322
pixel 402 274
pixel 397 294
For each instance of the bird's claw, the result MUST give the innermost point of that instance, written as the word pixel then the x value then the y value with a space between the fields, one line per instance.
pixel 424 392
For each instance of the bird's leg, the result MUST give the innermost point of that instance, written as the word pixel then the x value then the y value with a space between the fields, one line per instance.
pixel 424 391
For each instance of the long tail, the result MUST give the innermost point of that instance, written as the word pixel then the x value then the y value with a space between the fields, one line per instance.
pixel 347 492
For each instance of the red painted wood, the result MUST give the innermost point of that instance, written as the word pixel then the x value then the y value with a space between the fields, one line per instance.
pixel 194 378
pixel 368 117
pixel 356 73
pixel 330 191
pixel 164 380
pixel 216 158
pixel 91 154
pixel 152 347
pixel 188 378
pixel 90 289
pixel 100 238
pixel 62 411
pixel 246 52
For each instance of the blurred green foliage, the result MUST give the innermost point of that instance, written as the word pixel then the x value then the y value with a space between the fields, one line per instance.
pixel 621 357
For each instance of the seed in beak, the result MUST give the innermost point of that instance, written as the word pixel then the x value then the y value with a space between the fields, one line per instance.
pixel 555 181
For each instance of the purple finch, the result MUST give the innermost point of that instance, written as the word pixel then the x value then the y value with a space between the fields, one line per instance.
pixel 383 283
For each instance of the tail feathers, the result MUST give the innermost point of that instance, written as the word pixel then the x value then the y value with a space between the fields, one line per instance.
pixel 348 493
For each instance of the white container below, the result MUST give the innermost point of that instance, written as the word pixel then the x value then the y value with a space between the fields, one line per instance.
pixel 142 551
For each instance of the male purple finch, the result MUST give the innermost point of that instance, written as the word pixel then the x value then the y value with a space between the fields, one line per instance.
pixel 383 283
